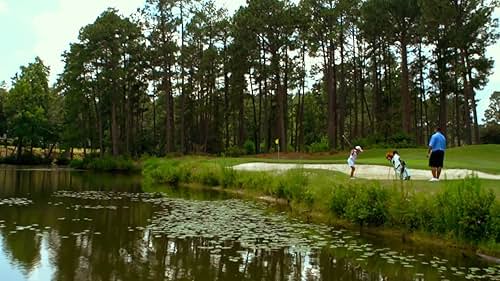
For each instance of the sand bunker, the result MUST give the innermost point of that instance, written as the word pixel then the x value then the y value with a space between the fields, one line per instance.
pixel 365 171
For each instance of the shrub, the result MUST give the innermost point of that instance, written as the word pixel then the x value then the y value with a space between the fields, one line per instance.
pixel 228 177
pixel 62 160
pixel 209 177
pixel 166 174
pixel 234 151
pixel 401 140
pixel 369 205
pixel 256 181
pixel 341 195
pixel 321 146
pixel 77 164
pixel 295 185
pixel 494 224
pixel 249 147
pixel 464 209
pixel 410 211
pixel 106 163
pixel 490 133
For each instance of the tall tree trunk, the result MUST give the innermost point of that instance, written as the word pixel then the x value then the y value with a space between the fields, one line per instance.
pixel 241 117
pixel 376 98
pixel 254 109
pixel 343 90
pixel 473 100
pixel 422 97
pixel 355 129
pixel 226 96
pixel 467 98
pixel 19 149
pixel 443 115
pixel 280 108
pixel 169 122
pixel 114 130
pixel 284 96
pixel 457 124
pixel 331 89
pixel 405 92
pixel 183 94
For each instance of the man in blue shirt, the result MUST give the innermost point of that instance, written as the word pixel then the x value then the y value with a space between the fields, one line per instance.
pixel 437 146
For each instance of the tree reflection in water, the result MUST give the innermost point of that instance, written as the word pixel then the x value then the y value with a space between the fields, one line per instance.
pixel 101 237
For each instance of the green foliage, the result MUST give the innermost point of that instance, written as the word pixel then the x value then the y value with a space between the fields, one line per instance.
pixel 31 107
pixel 465 210
pixel 249 147
pixel 106 163
pixel 77 164
pixel 229 177
pixel 494 224
pixel 492 113
pixel 490 133
pixel 398 140
pixel 321 146
pixel 62 160
pixel 341 195
pixel 368 205
pixel 234 151
pixel 411 211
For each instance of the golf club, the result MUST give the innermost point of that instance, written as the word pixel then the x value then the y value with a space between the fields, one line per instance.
pixel 346 140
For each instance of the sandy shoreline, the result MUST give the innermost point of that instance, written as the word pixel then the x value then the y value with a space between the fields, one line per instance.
pixel 364 171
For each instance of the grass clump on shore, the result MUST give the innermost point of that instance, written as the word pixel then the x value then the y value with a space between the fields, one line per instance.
pixel 106 163
pixel 462 210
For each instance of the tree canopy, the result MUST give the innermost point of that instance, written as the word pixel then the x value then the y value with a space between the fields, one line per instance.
pixel 182 76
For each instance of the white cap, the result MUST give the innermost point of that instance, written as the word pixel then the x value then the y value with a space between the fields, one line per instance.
pixel 358 148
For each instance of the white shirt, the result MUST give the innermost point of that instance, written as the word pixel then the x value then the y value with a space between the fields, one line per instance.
pixel 354 154
pixel 396 160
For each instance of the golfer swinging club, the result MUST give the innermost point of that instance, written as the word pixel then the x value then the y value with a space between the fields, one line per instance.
pixel 351 161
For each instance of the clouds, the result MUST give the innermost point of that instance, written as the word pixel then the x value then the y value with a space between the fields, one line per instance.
pixel 4 8
pixel 54 30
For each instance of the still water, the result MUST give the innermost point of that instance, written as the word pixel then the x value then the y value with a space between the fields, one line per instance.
pixel 69 225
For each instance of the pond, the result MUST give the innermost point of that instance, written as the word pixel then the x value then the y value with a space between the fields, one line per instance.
pixel 57 224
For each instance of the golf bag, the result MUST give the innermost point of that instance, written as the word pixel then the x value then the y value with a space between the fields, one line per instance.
pixel 400 168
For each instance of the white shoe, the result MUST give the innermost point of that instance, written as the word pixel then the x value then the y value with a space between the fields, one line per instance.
pixel 434 179
pixel 353 178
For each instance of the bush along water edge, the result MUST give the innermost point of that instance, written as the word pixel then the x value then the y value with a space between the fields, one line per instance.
pixel 106 163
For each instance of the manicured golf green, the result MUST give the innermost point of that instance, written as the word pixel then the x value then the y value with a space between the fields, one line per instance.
pixel 483 158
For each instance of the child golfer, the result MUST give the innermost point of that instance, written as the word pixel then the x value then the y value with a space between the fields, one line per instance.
pixel 351 161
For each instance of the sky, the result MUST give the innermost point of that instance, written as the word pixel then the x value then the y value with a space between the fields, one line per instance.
pixel 30 28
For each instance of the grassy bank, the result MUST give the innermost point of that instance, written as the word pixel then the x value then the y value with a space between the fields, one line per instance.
pixel 106 163
pixel 463 211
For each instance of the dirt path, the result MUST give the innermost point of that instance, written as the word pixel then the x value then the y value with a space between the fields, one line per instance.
pixel 365 171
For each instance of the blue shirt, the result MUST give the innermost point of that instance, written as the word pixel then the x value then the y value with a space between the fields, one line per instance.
pixel 437 142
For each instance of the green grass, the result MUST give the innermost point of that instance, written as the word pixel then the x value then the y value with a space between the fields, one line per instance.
pixel 484 158
pixel 107 163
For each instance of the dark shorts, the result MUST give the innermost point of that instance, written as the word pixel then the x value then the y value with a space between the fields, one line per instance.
pixel 436 159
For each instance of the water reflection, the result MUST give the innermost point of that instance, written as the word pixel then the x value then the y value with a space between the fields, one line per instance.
pixel 41 182
pixel 119 233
